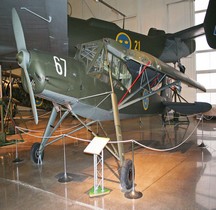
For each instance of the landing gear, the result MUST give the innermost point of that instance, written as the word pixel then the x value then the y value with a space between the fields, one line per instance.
pixel 126 175
pixel 34 153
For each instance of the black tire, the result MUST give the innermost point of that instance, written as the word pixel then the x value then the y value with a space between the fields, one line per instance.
pixel 126 175
pixel 34 153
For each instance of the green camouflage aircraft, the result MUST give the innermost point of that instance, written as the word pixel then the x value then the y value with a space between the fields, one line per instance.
pixel 109 62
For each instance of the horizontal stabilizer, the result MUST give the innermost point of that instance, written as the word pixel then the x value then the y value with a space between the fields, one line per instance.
pixel 188 108
pixel 189 33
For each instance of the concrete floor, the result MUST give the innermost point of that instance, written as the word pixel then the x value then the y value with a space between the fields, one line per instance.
pixel 184 178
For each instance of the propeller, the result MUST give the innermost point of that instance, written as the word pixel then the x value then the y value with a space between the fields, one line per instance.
pixel 23 58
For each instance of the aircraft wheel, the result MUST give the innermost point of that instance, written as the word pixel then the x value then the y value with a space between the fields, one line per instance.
pixel 126 175
pixel 35 153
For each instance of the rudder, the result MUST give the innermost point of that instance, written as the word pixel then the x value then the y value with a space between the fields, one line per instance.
pixel 210 24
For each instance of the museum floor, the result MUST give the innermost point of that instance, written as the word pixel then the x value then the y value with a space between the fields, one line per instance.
pixel 180 179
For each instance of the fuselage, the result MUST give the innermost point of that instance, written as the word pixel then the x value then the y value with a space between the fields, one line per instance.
pixel 71 82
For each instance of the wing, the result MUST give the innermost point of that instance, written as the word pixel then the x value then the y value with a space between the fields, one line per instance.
pixel 155 64
pixel 44 20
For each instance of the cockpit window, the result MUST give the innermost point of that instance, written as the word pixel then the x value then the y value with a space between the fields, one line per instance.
pixel 119 70
pixel 98 61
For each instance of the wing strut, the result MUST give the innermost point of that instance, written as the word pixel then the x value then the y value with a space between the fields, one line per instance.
pixel 139 75
pixel 117 121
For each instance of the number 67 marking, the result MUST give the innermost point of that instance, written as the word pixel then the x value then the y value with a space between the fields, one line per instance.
pixel 60 65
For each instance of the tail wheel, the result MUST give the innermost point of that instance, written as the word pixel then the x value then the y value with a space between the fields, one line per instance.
pixel 126 175
pixel 34 153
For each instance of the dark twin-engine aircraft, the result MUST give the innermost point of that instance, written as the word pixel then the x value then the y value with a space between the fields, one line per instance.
pixel 100 59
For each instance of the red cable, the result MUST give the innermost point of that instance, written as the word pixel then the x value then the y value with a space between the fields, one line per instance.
pixel 143 69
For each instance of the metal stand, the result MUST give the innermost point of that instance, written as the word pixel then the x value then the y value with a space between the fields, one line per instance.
pixel 96 148
pixel 202 145
pixel 17 160
pixel 98 188
pixel 133 194
pixel 66 177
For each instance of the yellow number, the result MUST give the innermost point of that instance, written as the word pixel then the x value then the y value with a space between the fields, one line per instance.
pixel 137 45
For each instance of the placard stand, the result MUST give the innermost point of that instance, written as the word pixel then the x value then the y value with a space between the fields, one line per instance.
pixel 95 148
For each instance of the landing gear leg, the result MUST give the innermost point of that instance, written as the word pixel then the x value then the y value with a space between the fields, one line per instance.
pixel 37 150
pixel 126 178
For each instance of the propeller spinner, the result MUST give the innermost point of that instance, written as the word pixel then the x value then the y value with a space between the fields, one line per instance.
pixel 23 58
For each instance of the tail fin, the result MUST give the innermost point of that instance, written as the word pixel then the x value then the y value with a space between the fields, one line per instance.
pixel 210 24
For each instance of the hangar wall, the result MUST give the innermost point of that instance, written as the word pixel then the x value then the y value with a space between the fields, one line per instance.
pixel 169 15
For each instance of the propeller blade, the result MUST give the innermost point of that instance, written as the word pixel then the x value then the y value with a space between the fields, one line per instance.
pixel 24 59
pixel 29 86
pixel 18 31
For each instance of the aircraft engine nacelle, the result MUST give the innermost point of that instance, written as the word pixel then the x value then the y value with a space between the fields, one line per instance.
pixel 49 72
pixel 36 72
